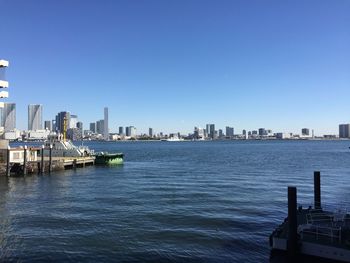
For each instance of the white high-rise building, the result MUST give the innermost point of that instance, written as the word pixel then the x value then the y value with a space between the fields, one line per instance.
pixel 9 116
pixel 35 117
pixel 105 125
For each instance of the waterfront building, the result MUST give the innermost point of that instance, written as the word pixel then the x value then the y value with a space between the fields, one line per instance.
pixel 305 132
pixel 210 130
pixel 121 130
pixel 9 116
pixel 127 131
pixel 62 121
pixel 93 127
pixel 80 125
pixel 262 132
pixel 48 125
pixel 254 132
pixel 221 134
pixel 229 131
pixel 344 131
pixel 35 117
pixel 74 134
pixel 73 121
pixel 100 127
pixel 105 125
pixel 244 132
pixel 150 132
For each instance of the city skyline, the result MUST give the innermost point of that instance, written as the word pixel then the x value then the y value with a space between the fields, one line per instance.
pixel 175 66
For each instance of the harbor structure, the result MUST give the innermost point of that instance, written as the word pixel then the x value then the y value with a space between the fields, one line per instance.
pixel 35 117
pixel 105 125
pixel 313 231
pixel 344 130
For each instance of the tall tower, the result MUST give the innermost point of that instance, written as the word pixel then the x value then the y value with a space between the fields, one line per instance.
pixel 3 84
pixel 105 126
pixel 35 117
pixel 9 117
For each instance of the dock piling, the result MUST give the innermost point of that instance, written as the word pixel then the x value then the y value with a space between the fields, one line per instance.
pixel 8 167
pixel 292 222
pixel 317 189
pixel 50 159
pixel 25 160
pixel 42 160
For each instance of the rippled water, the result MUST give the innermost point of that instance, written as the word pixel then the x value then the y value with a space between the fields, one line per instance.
pixel 169 202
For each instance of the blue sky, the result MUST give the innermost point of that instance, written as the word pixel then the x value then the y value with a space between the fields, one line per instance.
pixel 172 65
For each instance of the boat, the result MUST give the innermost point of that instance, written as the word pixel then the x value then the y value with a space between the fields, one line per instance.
pixel 105 158
pixel 64 148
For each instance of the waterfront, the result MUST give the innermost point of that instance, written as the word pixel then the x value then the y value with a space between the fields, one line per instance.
pixel 214 201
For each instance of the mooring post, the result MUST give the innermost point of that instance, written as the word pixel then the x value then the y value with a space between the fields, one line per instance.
pixel 292 222
pixel 25 160
pixel 42 160
pixel 50 159
pixel 317 189
pixel 74 163
pixel 8 167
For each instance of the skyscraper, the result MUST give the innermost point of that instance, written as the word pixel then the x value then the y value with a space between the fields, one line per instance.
pixel 229 131
pixel 105 126
pixel 48 125
pixel 62 119
pixel 93 127
pixel 150 132
pixel 73 121
pixel 121 130
pixel 9 116
pixel 344 131
pixel 35 117
pixel 305 132
pixel 210 128
pixel 100 127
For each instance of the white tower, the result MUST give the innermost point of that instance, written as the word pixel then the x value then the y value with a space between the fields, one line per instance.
pixel 3 94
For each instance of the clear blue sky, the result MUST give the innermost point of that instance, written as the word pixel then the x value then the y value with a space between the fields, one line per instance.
pixel 172 65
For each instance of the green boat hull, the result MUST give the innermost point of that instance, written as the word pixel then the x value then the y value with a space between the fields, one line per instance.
pixel 109 159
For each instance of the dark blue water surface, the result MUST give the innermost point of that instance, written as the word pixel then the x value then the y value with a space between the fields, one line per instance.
pixel 170 202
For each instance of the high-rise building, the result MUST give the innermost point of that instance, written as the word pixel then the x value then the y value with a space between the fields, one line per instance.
pixel 130 131
pixel 262 132
pixel 35 117
pixel 48 125
pixel 62 121
pixel 221 134
pixel 121 130
pixel 93 127
pixel 80 125
pixel 229 131
pixel 210 130
pixel 9 116
pixel 73 121
pixel 150 132
pixel 305 132
pixel 244 132
pixel 105 125
pixel 344 131
pixel 100 127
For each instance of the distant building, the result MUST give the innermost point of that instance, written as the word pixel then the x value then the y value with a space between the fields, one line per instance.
pixel 100 127
pixel 121 130
pixel 150 132
pixel 93 127
pixel 73 121
pixel 211 130
pixel 244 132
pixel 199 133
pixel 48 125
pixel 305 132
pixel 221 134
pixel 62 119
pixel 229 131
pixel 105 125
pixel 254 132
pixel 130 131
pixel 80 125
pixel 344 131
pixel 262 132
pixel 74 134
pixel 9 116
pixel 35 117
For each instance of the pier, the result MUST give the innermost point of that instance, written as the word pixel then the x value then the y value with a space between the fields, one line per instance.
pixel 313 231
pixel 24 160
